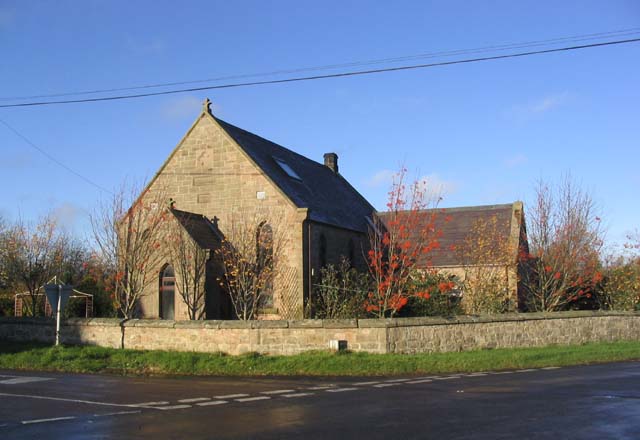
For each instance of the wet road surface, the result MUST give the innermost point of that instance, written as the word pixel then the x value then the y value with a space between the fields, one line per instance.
pixel 588 402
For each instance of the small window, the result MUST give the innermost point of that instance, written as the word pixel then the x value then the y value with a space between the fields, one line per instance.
pixel 287 169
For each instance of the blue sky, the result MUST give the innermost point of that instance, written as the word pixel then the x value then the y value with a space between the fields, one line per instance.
pixel 482 132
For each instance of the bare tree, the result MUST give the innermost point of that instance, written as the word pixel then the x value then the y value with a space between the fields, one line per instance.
pixel 252 260
pixel 565 238
pixel 633 243
pixel 33 254
pixel 127 230
pixel 190 263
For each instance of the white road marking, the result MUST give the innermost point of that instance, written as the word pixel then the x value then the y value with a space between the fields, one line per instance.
pixel 60 399
pixel 117 413
pixel 365 383
pixel 550 368
pixel 420 381
pixel 171 407
pixel 323 387
pixel 251 399
pixel 340 390
pixel 212 402
pixel 384 385
pixel 151 403
pixel 278 392
pixel 503 372
pixel 476 374
pixel 526 370
pixel 55 419
pixel 194 399
pixel 298 395
pixel 397 380
pixel 446 377
pixel 23 379
pixel 231 396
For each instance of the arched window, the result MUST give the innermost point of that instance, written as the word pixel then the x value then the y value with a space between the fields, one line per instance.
pixel 264 262
pixel 323 251
pixel 167 292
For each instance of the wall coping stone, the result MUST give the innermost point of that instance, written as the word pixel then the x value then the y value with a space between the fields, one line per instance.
pixel 235 324
pixel 106 322
pixel 270 324
pixel 190 324
pixel 305 323
pixel 156 323
pixel 376 323
pixel 76 321
pixel 319 323
pixel 340 323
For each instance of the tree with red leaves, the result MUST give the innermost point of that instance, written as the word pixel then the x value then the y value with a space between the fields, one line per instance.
pixel 401 236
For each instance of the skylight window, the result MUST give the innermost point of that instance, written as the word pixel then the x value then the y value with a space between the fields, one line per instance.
pixel 287 169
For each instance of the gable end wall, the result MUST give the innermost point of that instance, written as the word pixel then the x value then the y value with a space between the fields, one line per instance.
pixel 209 174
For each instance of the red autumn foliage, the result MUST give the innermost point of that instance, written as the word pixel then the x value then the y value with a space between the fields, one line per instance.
pixel 406 234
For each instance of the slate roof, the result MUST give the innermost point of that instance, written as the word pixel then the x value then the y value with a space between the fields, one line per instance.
pixel 456 224
pixel 328 196
pixel 199 227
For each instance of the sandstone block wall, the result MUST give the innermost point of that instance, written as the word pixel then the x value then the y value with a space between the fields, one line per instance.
pixel 402 335
pixel 208 174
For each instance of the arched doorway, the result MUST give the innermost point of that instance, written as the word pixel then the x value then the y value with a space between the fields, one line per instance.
pixel 167 292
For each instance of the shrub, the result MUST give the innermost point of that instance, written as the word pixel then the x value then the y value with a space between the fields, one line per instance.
pixel 7 304
pixel 340 292
pixel 102 303
pixel 621 287
pixel 434 294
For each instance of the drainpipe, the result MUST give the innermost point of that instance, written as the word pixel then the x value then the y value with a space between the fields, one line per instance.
pixel 309 268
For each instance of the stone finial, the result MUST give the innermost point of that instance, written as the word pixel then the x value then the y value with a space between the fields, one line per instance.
pixel 206 106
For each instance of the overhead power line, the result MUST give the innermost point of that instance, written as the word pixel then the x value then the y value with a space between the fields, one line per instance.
pixel 317 77
pixel 439 54
pixel 52 158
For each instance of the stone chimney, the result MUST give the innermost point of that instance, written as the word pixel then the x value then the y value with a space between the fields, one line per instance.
pixel 331 161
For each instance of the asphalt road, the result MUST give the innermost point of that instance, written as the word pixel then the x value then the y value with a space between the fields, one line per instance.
pixel 589 402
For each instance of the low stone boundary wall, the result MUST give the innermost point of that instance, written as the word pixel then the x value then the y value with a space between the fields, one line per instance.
pixel 400 335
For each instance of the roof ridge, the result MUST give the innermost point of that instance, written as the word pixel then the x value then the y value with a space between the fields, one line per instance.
pixel 463 208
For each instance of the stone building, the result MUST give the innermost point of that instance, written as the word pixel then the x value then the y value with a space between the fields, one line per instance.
pixel 220 174
pixel 478 240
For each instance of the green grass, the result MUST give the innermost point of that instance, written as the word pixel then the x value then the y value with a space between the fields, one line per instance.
pixel 32 356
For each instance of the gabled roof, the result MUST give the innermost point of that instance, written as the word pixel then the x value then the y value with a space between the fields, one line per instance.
pixel 200 228
pixel 328 196
pixel 455 225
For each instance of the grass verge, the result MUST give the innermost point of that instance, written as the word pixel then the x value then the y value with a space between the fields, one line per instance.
pixel 86 359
